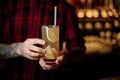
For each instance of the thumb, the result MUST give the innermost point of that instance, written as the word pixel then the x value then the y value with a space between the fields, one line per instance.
pixel 59 59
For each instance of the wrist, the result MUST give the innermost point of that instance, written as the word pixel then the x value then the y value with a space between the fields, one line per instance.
pixel 18 51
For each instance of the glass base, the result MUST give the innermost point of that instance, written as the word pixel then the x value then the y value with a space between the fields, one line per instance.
pixel 50 61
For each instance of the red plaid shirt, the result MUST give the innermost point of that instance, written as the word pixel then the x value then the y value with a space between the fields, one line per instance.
pixel 22 19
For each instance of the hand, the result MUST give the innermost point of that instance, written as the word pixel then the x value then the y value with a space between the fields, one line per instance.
pixel 29 49
pixel 51 66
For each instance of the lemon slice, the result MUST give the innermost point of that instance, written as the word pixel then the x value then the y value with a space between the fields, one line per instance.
pixel 55 52
pixel 48 53
pixel 52 34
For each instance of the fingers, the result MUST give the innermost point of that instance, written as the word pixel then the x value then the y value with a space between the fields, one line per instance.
pixel 37 49
pixel 29 50
pixel 58 62
pixel 46 66
pixel 34 54
pixel 37 41
pixel 34 50
pixel 31 55
pixel 43 64
pixel 51 66
pixel 59 59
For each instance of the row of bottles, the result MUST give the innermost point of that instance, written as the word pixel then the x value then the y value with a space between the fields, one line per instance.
pixel 97 26
pixel 96 13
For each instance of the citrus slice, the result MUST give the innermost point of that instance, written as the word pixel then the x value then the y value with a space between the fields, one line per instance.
pixel 55 52
pixel 52 34
pixel 48 53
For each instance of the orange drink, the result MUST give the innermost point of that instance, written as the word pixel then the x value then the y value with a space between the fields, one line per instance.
pixel 50 33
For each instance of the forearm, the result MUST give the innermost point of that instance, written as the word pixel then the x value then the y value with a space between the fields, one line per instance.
pixel 8 51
